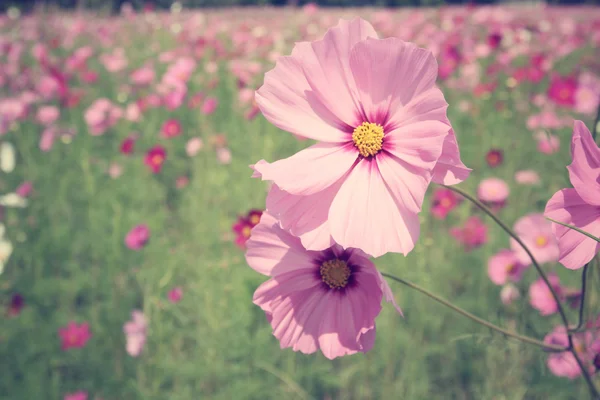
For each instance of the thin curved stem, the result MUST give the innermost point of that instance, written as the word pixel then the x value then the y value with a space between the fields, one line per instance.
pixel 526 339
pixel 582 300
pixel 542 275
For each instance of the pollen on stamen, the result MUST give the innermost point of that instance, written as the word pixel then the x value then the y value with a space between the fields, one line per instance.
pixel 368 138
pixel 335 273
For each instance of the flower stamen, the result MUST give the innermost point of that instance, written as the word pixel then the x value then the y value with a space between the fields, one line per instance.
pixel 335 273
pixel 368 138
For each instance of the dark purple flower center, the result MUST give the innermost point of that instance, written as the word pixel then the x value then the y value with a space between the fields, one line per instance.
pixel 335 273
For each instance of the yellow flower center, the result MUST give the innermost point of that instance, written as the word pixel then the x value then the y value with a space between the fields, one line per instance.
pixel 255 219
pixel 335 273
pixel 246 231
pixel 368 138
pixel 579 348
pixel 511 268
pixel 157 159
pixel 541 241
pixel 446 203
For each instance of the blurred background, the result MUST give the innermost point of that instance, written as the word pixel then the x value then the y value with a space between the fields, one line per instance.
pixel 126 131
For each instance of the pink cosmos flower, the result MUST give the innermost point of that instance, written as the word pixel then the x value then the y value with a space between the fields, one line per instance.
pixel 81 395
pixel 494 157
pixel 101 115
pixel 24 189
pixel 382 134
pixel 547 143
pixel 504 266
pixel 223 155
pixel 74 336
pixel 540 296
pixel 155 158
pixel 142 76
pixel 133 112
pixel 527 177
pixel 586 345
pixel 47 138
pixel 47 115
pixel 193 146
pixel 209 106
pixel 137 237
pixel 562 90
pixel 135 333
pixel 587 95
pixel 444 201
pixel 128 144
pixel 536 233
pixel 473 234
pixel 509 293
pixel 243 227
pixel 175 294
pixel 579 206
pixel 493 191
pixel 115 170
pixel 316 300
pixel 171 128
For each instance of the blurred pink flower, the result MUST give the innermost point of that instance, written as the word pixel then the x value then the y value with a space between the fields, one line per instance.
pixel 193 146
pixel 210 105
pixel 47 115
pixel 81 395
pixel 135 333
pixel 527 177
pixel 137 237
pixel 115 61
pixel 115 170
pixel 182 181
pixel 540 296
pixel 535 232
pixel 132 112
pixel 47 138
pixel 142 76
pixel 175 294
pixel 326 300
pixel 562 90
pixel 171 128
pixel 563 364
pixel 472 234
pixel 444 201
pixel 504 266
pixel 224 155
pixel 101 115
pixel 509 293
pixel 547 143
pixel 155 158
pixel 74 336
pixel 380 123
pixel 24 189
pixel 579 206
pixel 493 191
pixel 587 96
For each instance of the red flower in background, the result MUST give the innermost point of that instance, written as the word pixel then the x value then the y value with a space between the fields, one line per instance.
pixel 494 157
pixel 74 335
pixel 562 90
pixel 155 158
pixel 243 226
pixel 127 145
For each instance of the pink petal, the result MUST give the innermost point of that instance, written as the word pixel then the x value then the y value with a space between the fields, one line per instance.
pixel 272 251
pixel 584 171
pixel 389 73
pixel 568 207
pixel 304 216
pixel 365 215
pixel 310 170
pixel 328 72
pixel 449 169
pixel 283 101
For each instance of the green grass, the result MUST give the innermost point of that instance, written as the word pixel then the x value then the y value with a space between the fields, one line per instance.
pixel 70 263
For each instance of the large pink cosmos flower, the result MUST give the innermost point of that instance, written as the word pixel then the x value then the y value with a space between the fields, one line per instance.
pixel 325 300
pixel 587 346
pixel 579 206
pixel 382 134
pixel 535 232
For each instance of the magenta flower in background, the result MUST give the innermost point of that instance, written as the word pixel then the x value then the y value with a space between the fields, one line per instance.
pixel 135 333
pixel 316 300
pixel 504 266
pixel 540 296
pixel 155 158
pixel 563 364
pixel 24 189
pixel 527 177
pixel 137 237
pixel 171 128
pixel 74 336
pixel 210 105
pixel 175 295
pixel 562 90
pixel 243 227
pixel 380 123
pixel 493 191
pixel 81 395
pixel 472 234
pixel 536 233
pixel 444 201
pixel 547 143
pixel 494 157
pixel 128 144
pixel 579 206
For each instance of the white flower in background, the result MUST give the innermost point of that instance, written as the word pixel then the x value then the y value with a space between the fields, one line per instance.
pixel 6 249
pixel 13 200
pixel 7 157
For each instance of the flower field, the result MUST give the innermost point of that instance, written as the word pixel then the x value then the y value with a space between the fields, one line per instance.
pixel 223 204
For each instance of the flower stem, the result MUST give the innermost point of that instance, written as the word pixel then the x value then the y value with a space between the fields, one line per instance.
pixel 542 274
pixel 526 339
pixel 582 300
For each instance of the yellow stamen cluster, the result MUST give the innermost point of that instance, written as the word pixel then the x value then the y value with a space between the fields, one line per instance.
pixel 541 241
pixel 368 138
pixel 335 273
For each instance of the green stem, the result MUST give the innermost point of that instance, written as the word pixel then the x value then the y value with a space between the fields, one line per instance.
pixel 572 227
pixel 542 274
pixel 475 318
pixel 582 300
